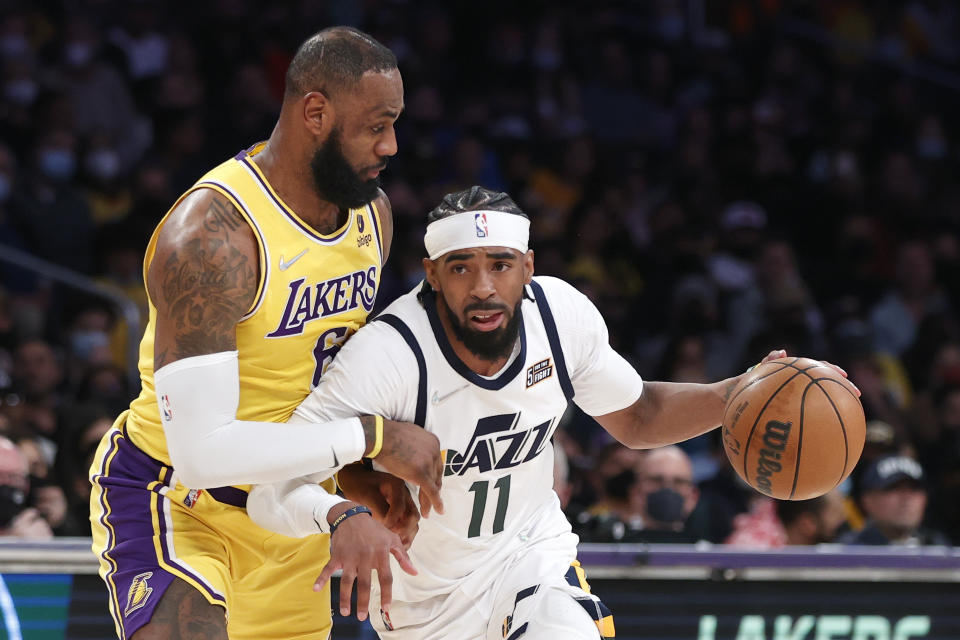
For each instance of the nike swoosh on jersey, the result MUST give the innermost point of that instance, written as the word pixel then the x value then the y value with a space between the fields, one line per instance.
pixel 286 264
pixel 437 398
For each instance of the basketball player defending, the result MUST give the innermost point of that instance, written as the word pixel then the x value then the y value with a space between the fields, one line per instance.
pixel 486 356
pixel 256 276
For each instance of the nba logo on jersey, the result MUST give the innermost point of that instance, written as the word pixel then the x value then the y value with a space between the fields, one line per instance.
pixel 191 498
pixel 165 404
pixel 481 220
pixel 386 620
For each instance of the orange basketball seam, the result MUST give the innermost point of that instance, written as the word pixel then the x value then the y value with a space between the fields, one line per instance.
pixel 746 449
pixel 791 365
pixel 786 365
pixel 843 428
pixel 796 466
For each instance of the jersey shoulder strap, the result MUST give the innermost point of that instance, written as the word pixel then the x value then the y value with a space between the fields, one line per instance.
pixel 553 337
pixel 401 327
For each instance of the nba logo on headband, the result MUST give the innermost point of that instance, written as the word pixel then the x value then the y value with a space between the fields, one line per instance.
pixel 481 222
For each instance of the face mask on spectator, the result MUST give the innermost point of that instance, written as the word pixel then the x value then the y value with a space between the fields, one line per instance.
pixel 78 54
pixel 6 186
pixel 931 148
pixel 665 505
pixel 102 164
pixel 82 343
pixel 58 164
pixel 14 45
pixel 12 502
pixel 21 92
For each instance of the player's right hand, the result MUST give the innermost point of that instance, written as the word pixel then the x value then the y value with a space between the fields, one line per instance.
pixel 386 495
pixel 358 546
pixel 412 453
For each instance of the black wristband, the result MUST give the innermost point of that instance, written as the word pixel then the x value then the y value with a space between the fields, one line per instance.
pixel 352 511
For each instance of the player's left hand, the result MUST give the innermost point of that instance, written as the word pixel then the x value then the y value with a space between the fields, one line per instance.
pixel 781 353
pixel 402 517
pixel 359 546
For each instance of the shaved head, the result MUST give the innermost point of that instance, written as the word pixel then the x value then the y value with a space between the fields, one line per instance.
pixel 336 59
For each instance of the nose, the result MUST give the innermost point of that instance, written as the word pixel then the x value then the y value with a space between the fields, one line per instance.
pixel 482 285
pixel 387 145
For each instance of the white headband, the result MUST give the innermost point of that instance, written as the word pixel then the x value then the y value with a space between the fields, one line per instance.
pixel 477 229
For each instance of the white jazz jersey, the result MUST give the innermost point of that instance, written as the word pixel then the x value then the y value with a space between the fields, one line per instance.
pixel 495 432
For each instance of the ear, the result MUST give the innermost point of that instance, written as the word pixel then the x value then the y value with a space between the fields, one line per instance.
pixel 528 267
pixel 430 269
pixel 317 112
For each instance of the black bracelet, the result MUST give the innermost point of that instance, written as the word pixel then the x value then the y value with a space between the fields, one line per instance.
pixel 352 511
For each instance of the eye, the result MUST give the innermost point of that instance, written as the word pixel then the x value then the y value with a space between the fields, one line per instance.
pixel 377 129
pixel 459 268
pixel 501 266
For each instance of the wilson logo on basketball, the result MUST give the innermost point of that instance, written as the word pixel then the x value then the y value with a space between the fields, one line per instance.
pixel 775 438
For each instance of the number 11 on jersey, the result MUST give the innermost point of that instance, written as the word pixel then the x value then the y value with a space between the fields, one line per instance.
pixel 479 489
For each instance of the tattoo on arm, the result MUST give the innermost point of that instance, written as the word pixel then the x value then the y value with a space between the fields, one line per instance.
pixel 369 424
pixel 222 217
pixel 729 390
pixel 206 286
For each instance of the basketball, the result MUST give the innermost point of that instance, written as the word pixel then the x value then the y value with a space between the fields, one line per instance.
pixel 793 428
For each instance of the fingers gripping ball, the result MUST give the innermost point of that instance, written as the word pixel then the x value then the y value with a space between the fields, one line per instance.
pixel 793 428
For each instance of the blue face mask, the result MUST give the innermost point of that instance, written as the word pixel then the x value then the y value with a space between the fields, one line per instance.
pixel 58 164
pixel 83 343
pixel 6 186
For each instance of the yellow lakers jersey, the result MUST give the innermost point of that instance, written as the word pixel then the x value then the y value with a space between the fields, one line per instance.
pixel 314 292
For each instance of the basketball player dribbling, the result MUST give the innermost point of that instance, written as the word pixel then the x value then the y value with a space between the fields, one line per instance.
pixel 256 277
pixel 487 357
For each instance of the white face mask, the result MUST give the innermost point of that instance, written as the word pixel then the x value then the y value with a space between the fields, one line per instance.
pixel 6 186
pixel 102 163
pixel 14 45
pixel 79 54
pixel 21 92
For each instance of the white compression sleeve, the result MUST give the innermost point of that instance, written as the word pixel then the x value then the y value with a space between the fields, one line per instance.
pixel 198 399
pixel 295 508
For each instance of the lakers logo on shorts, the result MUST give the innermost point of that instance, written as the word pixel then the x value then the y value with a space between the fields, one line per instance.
pixel 139 593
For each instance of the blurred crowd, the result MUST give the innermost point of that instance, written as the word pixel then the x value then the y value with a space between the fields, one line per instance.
pixel 722 178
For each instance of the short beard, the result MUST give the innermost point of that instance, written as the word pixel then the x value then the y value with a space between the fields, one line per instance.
pixel 486 345
pixel 335 179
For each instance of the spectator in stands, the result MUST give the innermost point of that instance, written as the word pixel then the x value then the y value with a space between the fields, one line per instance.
pixel 894 498
pixel 52 214
pixel 16 518
pixel 775 523
pixel 668 496
pixel 651 502
pixel 84 427
pixel 916 295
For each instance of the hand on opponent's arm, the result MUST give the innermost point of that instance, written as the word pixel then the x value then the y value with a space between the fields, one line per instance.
pixel 386 495
pixel 410 453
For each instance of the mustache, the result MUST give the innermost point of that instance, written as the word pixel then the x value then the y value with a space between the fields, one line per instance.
pixel 485 306
pixel 381 166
